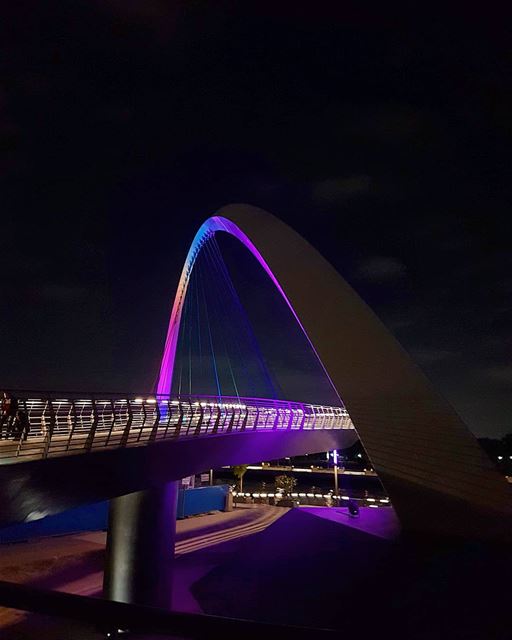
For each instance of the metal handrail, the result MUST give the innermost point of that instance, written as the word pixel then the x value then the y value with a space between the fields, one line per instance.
pixel 60 424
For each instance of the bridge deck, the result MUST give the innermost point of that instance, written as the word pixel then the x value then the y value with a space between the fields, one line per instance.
pixel 44 427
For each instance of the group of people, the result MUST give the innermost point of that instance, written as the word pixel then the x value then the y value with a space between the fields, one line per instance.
pixel 14 422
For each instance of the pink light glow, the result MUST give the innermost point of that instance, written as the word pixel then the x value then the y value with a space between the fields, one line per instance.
pixel 206 230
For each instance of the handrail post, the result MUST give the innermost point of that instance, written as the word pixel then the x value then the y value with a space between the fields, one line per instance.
pixel 112 422
pixel 276 421
pixel 200 421
pixel 73 424
pixel 126 432
pixel 246 417
pixel 154 431
pixel 303 419
pixel 22 427
pixel 169 417
pixel 290 421
pixel 192 414
pixel 180 420
pixel 49 432
pixel 90 438
pixel 231 421
pixel 217 420
pixel 144 417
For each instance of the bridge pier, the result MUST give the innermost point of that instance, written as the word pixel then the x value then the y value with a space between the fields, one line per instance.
pixel 140 547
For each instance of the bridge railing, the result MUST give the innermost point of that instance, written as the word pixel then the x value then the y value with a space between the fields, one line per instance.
pixel 48 425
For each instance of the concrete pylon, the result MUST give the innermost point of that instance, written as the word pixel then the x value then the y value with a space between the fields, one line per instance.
pixel 140 547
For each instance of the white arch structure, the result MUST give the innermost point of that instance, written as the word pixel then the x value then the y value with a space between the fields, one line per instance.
pixel 438 477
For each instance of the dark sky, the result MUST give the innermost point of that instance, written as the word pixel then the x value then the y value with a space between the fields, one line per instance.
pixel 384 140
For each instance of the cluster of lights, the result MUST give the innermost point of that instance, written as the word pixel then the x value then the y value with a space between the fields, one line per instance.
pixel 221 405
pixel 313 495
pixel 147 400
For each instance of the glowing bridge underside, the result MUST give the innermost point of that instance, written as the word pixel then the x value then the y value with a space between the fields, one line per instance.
pixel 60 427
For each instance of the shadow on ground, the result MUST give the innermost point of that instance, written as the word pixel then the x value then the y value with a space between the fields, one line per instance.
pixel 308 570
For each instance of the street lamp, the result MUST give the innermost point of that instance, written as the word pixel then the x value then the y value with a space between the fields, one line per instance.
pixel 335 460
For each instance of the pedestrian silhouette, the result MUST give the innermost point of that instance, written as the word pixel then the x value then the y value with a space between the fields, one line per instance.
pixel 21 425
pixel 9 409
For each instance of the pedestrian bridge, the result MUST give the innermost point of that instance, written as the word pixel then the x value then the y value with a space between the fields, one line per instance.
pixel 80 449
pixel 50 425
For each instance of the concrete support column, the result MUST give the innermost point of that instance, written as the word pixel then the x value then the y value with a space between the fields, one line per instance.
pixel 140 547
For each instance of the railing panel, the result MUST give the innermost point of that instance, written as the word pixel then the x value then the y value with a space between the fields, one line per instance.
pixel 58 425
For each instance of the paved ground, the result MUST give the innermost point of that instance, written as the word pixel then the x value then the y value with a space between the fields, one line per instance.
pixel 381 523
pixel 316 566
pixel 74 563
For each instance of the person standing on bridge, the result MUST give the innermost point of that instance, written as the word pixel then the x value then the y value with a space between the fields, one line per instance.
pixel 9 409
pixel 21 426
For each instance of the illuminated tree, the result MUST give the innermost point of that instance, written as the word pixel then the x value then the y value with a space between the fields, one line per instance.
pixel 286 483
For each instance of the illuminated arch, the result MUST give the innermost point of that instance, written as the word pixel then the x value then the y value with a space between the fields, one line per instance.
pixel 436 474
pixel 206 231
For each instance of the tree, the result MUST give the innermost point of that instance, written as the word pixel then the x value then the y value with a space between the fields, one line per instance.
pixel 286 483
pixel 239 471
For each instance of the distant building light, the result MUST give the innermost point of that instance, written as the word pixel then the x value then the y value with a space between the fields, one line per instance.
pixel 359 455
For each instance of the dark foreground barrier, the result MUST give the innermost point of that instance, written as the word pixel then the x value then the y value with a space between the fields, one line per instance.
pixel 110 616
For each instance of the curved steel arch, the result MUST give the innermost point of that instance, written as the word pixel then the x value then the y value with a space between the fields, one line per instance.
pixel 206 230
pixel 438 478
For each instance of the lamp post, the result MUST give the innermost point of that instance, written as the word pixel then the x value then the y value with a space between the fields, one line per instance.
pixel 335 460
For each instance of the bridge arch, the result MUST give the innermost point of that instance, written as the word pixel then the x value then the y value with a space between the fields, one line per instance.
pixel 438 478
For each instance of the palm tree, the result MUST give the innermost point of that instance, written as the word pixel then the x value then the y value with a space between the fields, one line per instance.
pixel 239 471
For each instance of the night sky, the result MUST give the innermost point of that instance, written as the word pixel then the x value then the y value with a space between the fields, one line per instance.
pixel 384 141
